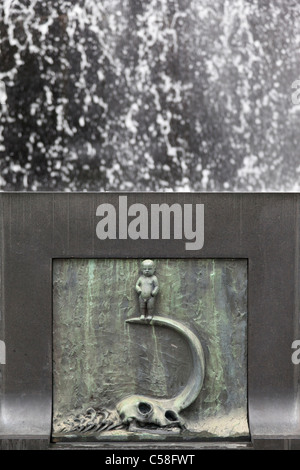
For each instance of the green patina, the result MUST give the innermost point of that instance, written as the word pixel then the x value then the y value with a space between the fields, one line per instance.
pixel 99 359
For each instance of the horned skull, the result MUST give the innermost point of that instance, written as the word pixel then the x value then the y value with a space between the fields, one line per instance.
pixel 145 410
pixel 165 412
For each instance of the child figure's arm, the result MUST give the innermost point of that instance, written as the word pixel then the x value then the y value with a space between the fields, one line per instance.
pixel 155 288
pixel 137 286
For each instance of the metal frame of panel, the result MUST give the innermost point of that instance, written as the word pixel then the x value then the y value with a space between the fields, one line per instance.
pixel 35 228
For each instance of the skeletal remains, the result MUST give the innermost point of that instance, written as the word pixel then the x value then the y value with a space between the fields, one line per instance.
pixel 139 409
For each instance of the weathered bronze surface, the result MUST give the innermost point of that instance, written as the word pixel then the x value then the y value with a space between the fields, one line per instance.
pixel 177 374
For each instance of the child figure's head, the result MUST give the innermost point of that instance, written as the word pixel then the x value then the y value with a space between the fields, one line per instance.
pixel 148 267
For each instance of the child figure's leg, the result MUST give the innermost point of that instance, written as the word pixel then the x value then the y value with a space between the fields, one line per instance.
pixel 143 305
pixel 150 307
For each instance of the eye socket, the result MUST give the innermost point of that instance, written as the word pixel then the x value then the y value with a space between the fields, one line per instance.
pixel 90 411
pixel 171 416
pixel 144 408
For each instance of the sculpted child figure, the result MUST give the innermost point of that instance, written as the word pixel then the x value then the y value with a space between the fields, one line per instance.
pixel 147 289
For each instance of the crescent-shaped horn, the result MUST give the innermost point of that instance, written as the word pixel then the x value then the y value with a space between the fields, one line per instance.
pixel 195 382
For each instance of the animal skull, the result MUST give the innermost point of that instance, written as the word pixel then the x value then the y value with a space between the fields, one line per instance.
pixel 145 410
pixel 165 412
